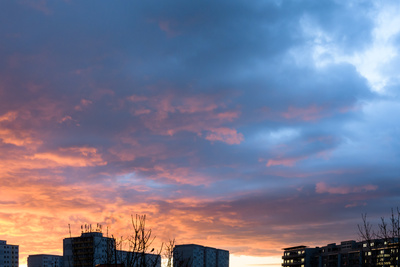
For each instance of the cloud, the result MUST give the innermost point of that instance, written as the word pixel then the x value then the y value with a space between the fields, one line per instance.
pixel 322 187
pixel 229 136
pixel 307 114
pixel 16 138
pixel 9 116
pixel 212 117
pixel 288 162
pixel 73 156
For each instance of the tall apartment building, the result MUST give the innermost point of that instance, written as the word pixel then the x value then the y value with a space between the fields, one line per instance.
pixel 92 248
pixel 45 260
pixel 191 255
pixel 377 252
pixel 9 254
pixel 87 250
pixel 300 256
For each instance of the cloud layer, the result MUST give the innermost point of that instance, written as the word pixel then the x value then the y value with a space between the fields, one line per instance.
pixel 248 126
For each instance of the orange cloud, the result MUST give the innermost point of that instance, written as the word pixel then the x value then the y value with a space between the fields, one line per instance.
pixel 9 116
pixel 17 138
pixel 74 156
pixel 9 134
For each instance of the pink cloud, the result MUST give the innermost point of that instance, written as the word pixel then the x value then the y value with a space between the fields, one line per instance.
pixel 136 98
pixel 170 114
pixel 129 149
pixel 228 116
pixel 194 105
pixel 40 5
pixel 310 113
pixel 167 27
pixel 143 111
pixel 289 162
pixel 181 175
pixel 322 187
pixel 65 119
pixel 226 135
pixel 352 205
pixel 83 103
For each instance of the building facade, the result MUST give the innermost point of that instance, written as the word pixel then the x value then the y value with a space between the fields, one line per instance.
pixel 45 260
pixel 9 254
pixel 300 256
pixel 92 249
pixel 192 255
pixel 377 252
pixel 88 250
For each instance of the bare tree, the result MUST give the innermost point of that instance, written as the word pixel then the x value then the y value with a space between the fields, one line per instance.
pixel 134 250
pixel 139 250
pixel 381 243
pixel 367 235
pixel 169 252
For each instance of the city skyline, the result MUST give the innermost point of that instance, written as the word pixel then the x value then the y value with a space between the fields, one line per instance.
pixel 249 126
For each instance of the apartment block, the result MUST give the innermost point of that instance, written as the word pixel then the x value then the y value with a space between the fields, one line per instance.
pixel 45 260
pixel 377 252
pixel 93 249
pixel 191 255
pixel 9 254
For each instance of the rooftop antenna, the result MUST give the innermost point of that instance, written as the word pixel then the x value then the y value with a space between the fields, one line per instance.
pixel 69 227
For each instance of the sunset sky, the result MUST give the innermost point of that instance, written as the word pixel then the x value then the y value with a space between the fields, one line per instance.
pixel 243 125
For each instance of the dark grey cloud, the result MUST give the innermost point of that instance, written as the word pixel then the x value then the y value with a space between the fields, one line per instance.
pixel 223 103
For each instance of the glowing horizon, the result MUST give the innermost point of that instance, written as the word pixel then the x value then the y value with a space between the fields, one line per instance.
pixel 246 126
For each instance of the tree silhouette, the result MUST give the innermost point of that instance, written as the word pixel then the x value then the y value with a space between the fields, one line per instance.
pixel 381 245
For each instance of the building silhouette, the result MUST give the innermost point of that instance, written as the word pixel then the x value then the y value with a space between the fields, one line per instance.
pixel 377 252
pixel 9 254
pixel 191 255
pixel 93 249
pixel 45 260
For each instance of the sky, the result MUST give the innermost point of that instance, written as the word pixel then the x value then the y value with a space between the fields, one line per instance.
pixel 249 126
